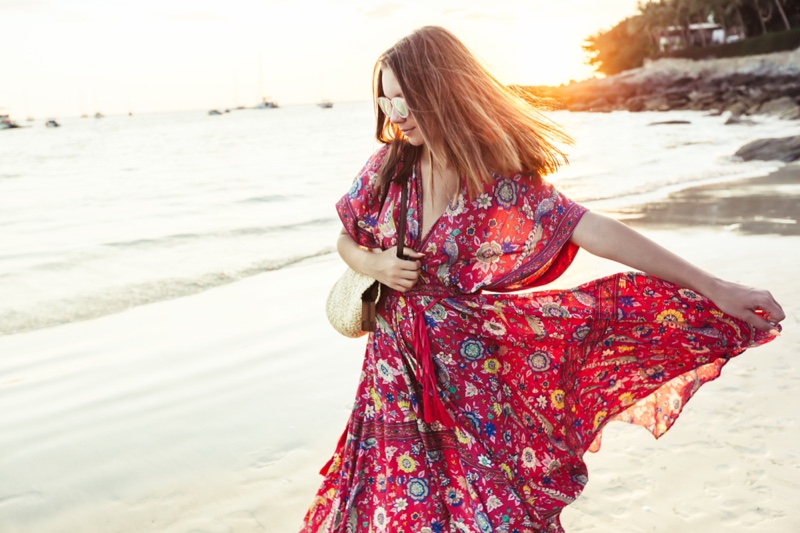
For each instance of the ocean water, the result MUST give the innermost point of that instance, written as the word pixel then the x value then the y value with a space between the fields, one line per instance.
pixel 102 215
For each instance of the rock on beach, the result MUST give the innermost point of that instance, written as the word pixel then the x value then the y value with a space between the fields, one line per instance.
pixel 786 149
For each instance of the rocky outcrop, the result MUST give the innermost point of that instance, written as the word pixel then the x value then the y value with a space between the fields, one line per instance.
pixel 766 84
pixel 786 149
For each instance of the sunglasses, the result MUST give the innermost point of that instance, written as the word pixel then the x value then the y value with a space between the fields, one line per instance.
pixel 394 104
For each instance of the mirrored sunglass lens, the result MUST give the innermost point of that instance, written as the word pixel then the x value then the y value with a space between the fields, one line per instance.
pixel 386 105
pixel 401 107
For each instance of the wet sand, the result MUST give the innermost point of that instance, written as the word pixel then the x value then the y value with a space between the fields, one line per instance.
pixel 765 205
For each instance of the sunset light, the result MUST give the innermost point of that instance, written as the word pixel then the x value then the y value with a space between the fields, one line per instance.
pixel 85 56
pixel 241 292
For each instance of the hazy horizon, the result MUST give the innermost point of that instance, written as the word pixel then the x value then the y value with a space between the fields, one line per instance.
pixel 66 58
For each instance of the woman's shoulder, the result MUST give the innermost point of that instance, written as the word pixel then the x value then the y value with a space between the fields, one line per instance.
pixel 368 178
pixel 522 178
pixel 515 189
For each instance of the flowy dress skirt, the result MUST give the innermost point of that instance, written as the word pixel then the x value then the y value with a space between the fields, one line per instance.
pixel 527 382
pixel 474 407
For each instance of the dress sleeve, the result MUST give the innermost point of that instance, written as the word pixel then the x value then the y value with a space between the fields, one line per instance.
pixel 359 209
pixel 525 240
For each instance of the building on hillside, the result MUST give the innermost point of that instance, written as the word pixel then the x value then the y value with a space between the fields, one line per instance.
pixel 704 34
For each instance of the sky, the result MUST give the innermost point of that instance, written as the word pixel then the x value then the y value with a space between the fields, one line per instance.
pixel 63 58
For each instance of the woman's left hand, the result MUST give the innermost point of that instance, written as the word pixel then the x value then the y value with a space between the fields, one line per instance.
pixel 757 307
pixel 613 240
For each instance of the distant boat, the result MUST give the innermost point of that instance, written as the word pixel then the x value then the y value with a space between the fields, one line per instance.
pixel 214 112
pixel 7 124
pixel 99 115
pixel 267 103
pixel 52 123
pixel 325 104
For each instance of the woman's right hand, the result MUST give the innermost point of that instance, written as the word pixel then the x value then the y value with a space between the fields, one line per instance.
pixel 398 274
pixel 755 306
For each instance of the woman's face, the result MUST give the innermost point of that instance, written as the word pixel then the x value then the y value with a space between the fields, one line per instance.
pixel 409 127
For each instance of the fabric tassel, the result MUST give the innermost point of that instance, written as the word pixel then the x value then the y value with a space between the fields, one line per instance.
pixel 433 410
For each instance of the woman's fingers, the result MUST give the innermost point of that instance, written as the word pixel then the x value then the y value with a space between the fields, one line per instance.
pixel 400 274
pixel 771 313
pixel 765 312
pixel 403 285
pixel 411 265
pixel 409 274
pixel 757 307
pixel 757 321
pixel 772 309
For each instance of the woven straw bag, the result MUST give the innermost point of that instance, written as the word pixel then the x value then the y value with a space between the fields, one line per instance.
pixel 351 302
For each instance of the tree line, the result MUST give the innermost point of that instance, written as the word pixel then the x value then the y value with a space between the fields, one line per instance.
pixel 641 36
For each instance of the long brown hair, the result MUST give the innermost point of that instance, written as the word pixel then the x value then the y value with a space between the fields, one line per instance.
pixel 466 116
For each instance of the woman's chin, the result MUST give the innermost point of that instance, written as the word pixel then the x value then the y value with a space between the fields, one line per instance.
pixel 414 140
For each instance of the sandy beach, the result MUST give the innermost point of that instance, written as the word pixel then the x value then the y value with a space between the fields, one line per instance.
pixel 214 412
pixel 731 462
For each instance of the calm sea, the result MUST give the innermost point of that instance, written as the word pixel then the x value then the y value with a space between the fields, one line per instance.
pixel 105 214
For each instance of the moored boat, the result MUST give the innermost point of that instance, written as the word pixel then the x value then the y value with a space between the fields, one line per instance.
pixel 267 103
pixel 6 123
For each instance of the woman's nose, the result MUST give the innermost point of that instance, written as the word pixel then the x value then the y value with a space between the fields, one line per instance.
pixel 395 117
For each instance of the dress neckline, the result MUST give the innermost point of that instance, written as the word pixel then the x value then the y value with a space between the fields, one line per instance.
pixel 417 176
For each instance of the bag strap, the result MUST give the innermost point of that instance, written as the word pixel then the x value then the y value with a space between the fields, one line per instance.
pixel 401 230
pixel 369 297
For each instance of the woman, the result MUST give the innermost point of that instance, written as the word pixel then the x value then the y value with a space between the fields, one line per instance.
pixel 474 409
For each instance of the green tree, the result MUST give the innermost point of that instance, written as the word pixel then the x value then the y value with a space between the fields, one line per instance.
pixel 623 47
pixel 627 44
pixel 783 14
pixel 656 17
pixel 763 16
pixel 765 10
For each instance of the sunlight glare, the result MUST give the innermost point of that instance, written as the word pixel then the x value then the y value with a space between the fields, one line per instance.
pixel 549 53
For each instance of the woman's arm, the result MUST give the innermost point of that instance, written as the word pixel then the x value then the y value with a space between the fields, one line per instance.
pixel 613 240
pixel 384 266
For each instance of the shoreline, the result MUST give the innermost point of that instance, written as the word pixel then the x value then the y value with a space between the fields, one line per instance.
pixel 767 204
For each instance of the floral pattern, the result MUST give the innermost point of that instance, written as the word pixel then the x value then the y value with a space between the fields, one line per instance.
pixel 474 408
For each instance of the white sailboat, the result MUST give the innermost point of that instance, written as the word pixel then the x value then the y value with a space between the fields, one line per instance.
pixel 266 101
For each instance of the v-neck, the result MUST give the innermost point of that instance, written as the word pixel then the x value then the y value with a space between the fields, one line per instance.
pixel 423 238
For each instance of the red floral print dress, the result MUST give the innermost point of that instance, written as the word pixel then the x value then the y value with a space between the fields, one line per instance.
pixel 474 408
